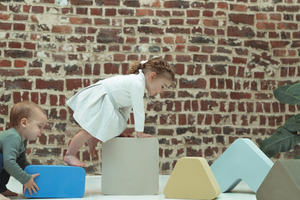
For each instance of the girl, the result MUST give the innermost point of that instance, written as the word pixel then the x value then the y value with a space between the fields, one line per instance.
pixel 102 109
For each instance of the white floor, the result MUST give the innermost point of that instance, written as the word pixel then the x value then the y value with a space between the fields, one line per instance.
pixel 93 191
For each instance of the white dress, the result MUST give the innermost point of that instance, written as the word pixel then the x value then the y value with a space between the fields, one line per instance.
pixel 102 109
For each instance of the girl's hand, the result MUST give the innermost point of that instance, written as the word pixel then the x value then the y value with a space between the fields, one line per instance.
pixel 126 135
pixel 143 135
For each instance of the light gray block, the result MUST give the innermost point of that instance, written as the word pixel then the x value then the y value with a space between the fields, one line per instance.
pixel 282 182
pixel 130 166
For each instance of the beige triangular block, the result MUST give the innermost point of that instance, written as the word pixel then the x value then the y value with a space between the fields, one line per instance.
pixel 192 178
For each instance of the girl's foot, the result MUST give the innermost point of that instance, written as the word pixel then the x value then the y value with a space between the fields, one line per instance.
pixel 92 142
pixel 73 160
pixel 9 193
pixel 3 197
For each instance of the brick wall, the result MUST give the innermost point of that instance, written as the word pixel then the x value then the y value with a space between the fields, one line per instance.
pixel 228 57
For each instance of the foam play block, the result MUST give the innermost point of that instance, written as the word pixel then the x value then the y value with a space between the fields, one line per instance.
pixel 242 160
pixel 282 182
pixel 192 178
pixel 130 166
pixel 57 181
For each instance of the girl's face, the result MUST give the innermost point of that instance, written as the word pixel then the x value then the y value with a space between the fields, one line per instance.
pixel 155 85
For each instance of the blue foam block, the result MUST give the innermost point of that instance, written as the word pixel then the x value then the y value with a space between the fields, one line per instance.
pixel 242 160
pixel 57 181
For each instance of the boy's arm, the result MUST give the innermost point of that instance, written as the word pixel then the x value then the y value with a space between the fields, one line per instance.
pixel 10 154
pixel 22 160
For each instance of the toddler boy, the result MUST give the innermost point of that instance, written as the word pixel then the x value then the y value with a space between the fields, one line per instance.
pixel 27 120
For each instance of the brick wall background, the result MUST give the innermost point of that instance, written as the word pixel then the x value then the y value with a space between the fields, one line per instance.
pixel 228 57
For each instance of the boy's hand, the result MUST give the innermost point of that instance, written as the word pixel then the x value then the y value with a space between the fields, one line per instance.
pixel 31 185
pixel 143 135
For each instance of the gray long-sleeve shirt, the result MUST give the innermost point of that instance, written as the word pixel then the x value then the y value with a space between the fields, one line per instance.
pixel 14 158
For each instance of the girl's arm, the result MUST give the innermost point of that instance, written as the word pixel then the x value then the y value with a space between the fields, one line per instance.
pixel 142 135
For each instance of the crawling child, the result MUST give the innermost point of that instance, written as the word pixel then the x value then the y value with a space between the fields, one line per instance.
pixel 27 120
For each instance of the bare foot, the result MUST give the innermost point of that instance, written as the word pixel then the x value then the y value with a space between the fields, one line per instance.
pixel 73 160
pixel 9 193
pixel 92 142
pixel 3 197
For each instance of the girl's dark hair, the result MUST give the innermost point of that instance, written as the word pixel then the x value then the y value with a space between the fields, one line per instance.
pixel 158 65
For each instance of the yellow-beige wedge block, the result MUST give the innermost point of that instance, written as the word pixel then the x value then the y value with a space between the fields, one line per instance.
pixel 192 178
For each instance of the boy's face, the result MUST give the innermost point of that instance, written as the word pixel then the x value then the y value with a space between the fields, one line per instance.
pixel 33 126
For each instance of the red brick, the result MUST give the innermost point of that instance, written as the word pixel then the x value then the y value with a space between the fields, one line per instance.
pixel 208 22
pixel 265 25
pixel 242 18
pixel 50 84
pixel 289 61
pixel 18 84
pixel 67 10
pixel 4 16
pixel 73 84
pixel 192 22
pixel 62 29
pixel 193 48
pixel 183 58
pixel 208 13
pixel 163 13
pixel 35 72
pixel 182 119
pixel 119 57
pixel 223 5
pixel 43 98
pixel 29 45
pixel 59 57
pixel 81 11
pixel 53 100
pixel 193 13
pixel 179 69
pixel 144 12
pixel 110 68
pixel 77 20
pixel 261 16
pixel 176 21
pixel 20 63
pixel 19 27
pixel 169 40
pixel 5 63
pixel 289 26
pixel 238 7
pixel 37 9
pixel 12 72
pixel 208 119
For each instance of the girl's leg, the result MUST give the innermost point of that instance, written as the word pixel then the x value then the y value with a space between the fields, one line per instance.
pixel 77 142
pixel 9 193
pixel 3 197
pixel 92 142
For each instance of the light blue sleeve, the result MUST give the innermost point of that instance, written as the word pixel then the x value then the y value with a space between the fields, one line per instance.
pixel 136 90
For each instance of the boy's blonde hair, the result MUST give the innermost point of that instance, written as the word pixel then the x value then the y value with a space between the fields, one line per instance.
pixel 24 109
pixel 158 65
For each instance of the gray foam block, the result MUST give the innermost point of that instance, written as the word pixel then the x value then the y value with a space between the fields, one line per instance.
pixel 282 182
pixel 130 166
